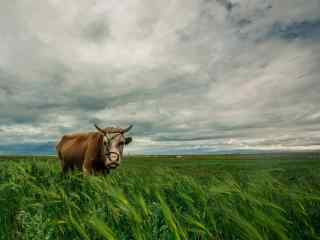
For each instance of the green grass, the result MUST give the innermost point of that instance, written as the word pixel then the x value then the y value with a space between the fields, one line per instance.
pixel 266 196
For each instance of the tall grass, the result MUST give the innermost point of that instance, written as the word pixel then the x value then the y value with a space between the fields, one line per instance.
pixel 36 202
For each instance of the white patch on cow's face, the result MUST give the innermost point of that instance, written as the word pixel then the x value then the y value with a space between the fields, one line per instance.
pixel 105 145
pixel 114 144
pixel 105 140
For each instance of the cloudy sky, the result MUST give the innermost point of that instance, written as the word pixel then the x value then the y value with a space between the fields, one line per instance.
pixel 193 76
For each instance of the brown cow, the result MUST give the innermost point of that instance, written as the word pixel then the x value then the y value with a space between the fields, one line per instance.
pixel 94 151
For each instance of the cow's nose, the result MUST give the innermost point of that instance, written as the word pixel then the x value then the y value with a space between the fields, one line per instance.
pixel 114 157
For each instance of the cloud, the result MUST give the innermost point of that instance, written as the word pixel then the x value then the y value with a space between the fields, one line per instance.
pixel 304 29
pixel 190 75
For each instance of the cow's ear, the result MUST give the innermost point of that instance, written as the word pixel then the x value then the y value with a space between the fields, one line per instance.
pixel 128 140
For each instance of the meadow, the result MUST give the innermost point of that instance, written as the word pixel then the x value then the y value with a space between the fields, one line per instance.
pixel 258 196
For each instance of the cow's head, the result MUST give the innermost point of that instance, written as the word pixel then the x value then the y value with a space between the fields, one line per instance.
pixel 113 143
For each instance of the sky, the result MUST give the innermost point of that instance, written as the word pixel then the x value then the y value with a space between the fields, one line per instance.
pixel 192 76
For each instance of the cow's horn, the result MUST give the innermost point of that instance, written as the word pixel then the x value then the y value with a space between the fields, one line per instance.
pixel 127 129
pixel 99 129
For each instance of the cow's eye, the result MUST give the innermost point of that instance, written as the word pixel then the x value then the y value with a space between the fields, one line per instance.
pixel 121 144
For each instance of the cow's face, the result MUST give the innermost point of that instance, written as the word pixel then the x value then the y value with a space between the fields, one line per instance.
pixel 113 145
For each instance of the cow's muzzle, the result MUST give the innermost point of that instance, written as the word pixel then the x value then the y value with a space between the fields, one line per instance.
pixel 112 165
pixel 114 156
pixel 112 160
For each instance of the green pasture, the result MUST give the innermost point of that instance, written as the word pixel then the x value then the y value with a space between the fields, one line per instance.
pixel 262 196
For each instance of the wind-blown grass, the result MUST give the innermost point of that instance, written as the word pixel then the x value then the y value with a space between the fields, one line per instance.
pixel 36 202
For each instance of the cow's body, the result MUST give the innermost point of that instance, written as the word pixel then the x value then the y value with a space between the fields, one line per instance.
pixel 94 151
pixel 82 151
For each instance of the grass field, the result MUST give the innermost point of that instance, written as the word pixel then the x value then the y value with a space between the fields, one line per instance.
pixel 266 196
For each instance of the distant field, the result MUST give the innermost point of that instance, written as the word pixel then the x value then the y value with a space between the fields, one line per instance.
pixel 263 196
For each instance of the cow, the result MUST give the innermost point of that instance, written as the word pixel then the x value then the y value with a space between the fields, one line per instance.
pixel 93 152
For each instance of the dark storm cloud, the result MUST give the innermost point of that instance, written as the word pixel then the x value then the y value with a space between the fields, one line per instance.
pixel 96 30
pixel 229 5
pixel 295 30
pixel 192 76
pixel 5 88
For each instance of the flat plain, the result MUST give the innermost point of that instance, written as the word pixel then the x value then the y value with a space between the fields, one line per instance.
pixel 244 196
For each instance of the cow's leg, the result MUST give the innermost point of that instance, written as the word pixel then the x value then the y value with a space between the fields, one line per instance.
pixel 65 167
pixel 105 171
pixel 98 172
pixel 91 154
pixel 87 167
pixel 86 171
pixel 102 171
